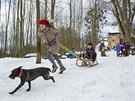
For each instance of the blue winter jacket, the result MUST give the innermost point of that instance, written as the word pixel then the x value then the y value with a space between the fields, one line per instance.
pixel 117 48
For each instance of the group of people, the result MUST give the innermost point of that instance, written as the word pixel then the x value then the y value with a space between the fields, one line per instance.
pixel 123 49
pixel 49 37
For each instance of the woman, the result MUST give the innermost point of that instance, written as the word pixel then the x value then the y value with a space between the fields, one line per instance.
pixel 49 36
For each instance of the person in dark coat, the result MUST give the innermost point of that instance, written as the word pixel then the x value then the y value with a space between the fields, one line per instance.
pixel 102 49
pixel 128 45
pixel 90 52
pixel 127 49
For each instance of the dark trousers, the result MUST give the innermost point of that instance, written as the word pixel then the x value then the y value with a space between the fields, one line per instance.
pixel 52 57
pixel 103 53
pixel 94 56
pixel 118 54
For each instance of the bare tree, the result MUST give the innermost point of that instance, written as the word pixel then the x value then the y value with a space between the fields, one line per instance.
pixel 1 40
pixel 21 53
pixel 38 60
pixel 46 9
pixel 45 13
pixel 93 17
pixel 125 19
pixel 124 11
pixel 7 23
pixel 0 10
pixel 17 29
pixel 53 2
pixel 23 28
pixel 78 22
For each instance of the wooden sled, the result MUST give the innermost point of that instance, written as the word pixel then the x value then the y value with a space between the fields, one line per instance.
pixel 85 62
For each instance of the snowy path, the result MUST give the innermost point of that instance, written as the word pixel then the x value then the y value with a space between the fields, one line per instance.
pixel 112 80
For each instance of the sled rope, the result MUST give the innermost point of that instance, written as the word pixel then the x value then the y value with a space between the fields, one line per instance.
pixel 65 48
pixel 68 50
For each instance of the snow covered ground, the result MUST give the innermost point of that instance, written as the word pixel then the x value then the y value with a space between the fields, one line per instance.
pixel 112 80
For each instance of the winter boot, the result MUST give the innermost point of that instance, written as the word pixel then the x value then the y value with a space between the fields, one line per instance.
pixel 54 69
pixel 62 69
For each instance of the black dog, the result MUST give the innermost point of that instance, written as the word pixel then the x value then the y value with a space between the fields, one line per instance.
pixel 29 75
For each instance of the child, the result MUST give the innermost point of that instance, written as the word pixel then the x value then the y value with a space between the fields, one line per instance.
pixel 102 49
pixel 90 52
pixel 117 49
pixel 49 36
pixel 122 50
pixel 72 54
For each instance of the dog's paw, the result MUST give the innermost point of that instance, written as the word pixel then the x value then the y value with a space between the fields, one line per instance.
pixel 52 79
pixel 27 90
pixel 11 92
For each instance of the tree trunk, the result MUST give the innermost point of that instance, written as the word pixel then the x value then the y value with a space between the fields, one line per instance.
pixel 123 13
pixel 7 23
pixel 0 10
pixel 15 37
pixel 43 47
pixel 70 26
pixel 52 11
pixel 38 59
pixel 21 53
pixel 45 9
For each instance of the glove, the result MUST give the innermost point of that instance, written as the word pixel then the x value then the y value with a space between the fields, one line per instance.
pixel 91 59
pixel 45 42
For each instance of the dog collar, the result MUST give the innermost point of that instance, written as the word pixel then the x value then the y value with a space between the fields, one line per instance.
pixel 20 74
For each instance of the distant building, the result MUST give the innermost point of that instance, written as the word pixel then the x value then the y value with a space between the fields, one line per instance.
pixel 114 39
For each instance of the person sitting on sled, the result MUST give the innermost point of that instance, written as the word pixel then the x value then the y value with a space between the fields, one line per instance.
pixel 90 52
pixel 72 54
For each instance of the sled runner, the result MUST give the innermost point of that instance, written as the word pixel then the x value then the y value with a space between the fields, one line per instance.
pixel 85 62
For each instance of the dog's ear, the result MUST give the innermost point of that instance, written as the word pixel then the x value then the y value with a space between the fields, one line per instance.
pixel 20 67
